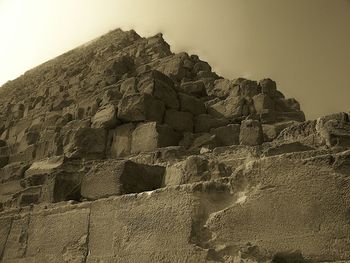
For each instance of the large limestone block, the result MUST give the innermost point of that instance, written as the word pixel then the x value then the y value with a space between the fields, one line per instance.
pixel 227 135
pixel 263 102
pixel 26 156
pixel 191 104
pixel 174 66
pixel 17 240
pixel 272 131
pixel 47 166
pixel 59 178
pixel 3 161
pixel 140 107
pixel 129 86
pixel 179 120
pixel 195 88
pixel 5 225
pixel 334 129
pixel 284 206
pixel 105 117
pixel 231 107
pixel 121 141
pixel 248 88
pixel 149 136
pixel 86 143
pixel 9 188
pixel 58 235
pixel 139 228
pixel 195 168
pixel 160 86
pixel 223 88
pixel 120 177
pixel 290 116
pixel 12 171
pixel 205 122
pixel 269 87
pixel 251 133
pixel 283 148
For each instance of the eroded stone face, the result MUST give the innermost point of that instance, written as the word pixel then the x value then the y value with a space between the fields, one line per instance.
pixel 121 151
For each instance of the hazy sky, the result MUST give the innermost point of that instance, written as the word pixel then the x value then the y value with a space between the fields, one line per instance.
pixel 302 44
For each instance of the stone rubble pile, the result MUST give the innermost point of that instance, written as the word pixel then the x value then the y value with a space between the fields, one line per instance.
pixel 124 115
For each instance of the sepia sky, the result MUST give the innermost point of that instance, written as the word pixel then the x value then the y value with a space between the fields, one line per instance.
pixel 302 44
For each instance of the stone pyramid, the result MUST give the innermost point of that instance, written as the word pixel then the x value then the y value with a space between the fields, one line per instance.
pixel 122 151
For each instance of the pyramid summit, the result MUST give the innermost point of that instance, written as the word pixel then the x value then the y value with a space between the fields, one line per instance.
pixel 122 151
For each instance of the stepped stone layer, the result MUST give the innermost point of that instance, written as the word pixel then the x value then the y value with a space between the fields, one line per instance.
pixel 122 151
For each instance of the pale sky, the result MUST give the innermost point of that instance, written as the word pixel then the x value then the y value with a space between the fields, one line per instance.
pixel 302 44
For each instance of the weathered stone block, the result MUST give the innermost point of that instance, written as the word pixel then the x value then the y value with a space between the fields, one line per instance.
pixel 160 86
pixel 52 239
pixel 105 117
pixel 86 143
pixel 141 234
pixel 227 135
pixel 194 142
pixel 121 142
pixel 271 131
pixel 17 240
pixel 193 169
pixel 180 121
pixel 120 177
pixel 3 161
pixel 191 104
pixel 205 122
pixel 263 102
pixel 60 179
pixel 334 130
pixel 231 107
pixel 25 156
pixel 195 88
pixel 12 171
pixel 248 88
pixel 149 136
pixel 251 133
pixel 140 107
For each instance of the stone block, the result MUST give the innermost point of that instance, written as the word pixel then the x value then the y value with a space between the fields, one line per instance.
pixel 149 136
pixel 205 122
pixel 3 161
pixel 12 171
pixel 58 235
pixel 227 135
pixel 231 108
pixel 60 179
pixel 105 118
pixel 140 107
pixel 179 120
pixel 334 130
pixel 194 88
pixel 160 86
pixel 120 177
pixel 86 143
pixel 25 156
pixel 251 133
pixel 191 104
pixel 263 102
pixel 121 141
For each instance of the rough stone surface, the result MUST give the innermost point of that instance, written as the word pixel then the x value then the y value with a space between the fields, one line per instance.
pixel 149 136
pixel 120 177
pixel 251 133
pixel 122 151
